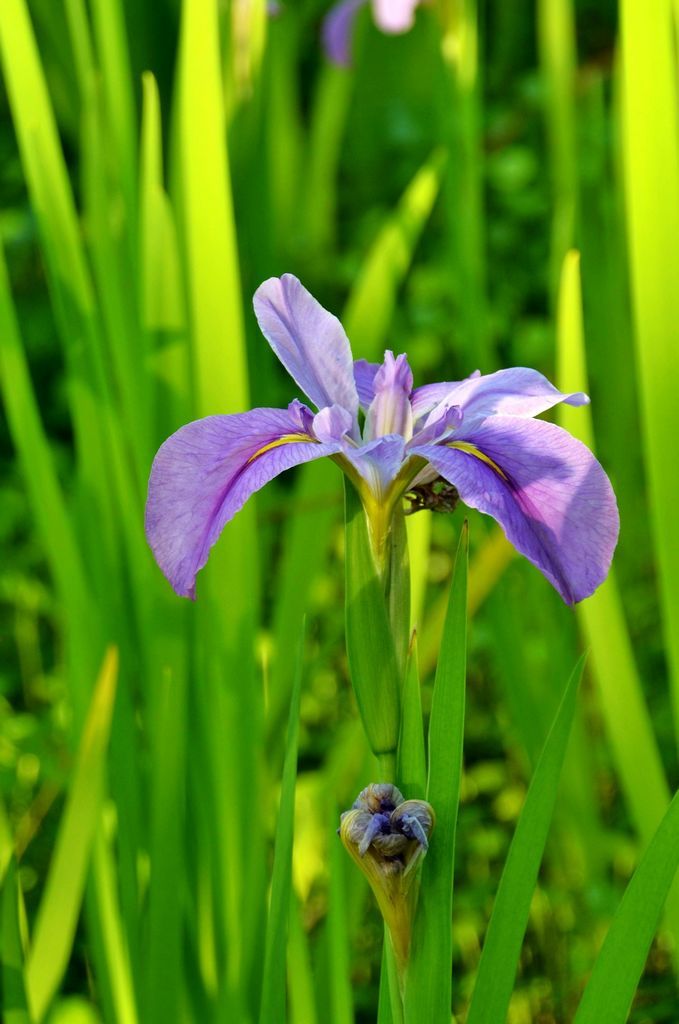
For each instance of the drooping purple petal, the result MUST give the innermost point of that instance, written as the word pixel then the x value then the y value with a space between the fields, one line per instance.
pixel 394 16
pixel 205 472
pixel 337 30
pixel 364 375
pixel 308 340
pixel 515 392
pixel 547 491
pixel 377 462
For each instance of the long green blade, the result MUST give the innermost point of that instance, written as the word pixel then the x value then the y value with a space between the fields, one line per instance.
pixel 273 979
pixel 502 947
pixel 428 982
pixel 628 722
pixel 651 160
pixel 13 1003
pixel 610 990
pixel 370 305
pixel 58 913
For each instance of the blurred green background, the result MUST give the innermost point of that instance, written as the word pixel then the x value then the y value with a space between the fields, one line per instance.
pixel 157 162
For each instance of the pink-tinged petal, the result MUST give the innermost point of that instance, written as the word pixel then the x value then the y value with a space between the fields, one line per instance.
pixel 332 424
pixel 364 375
pixel 337 31
pixel 394 16
pixel 377 462
pixel 547 491
pixel 515 392
pixel 427 397
pixel 205 472
pixel 309 341
pixel 447 419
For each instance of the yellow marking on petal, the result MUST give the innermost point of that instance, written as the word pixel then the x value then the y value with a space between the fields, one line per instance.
pixel 471 449
pixel 285 439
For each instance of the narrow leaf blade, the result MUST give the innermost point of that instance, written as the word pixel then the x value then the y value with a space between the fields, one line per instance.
pixel 60 906
pixel 618 967
pixel 501 950
pixel 273 979
pixel 428 983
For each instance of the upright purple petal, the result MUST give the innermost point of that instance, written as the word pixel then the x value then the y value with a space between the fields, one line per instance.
pixel 309 341
pixel 394 16
pixel 515 392
pixel 205 472
pixel 390 411
pixel 547 491
pixel 337 30
pixel 364 376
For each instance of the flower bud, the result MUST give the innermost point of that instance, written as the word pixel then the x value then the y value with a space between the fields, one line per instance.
pixel 387 837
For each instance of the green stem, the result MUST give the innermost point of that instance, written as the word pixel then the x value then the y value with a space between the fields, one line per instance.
pixel 387 766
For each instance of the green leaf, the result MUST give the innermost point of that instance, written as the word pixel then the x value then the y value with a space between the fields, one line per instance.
pixel 13 1004
pixel 651 164
pixel 273 1002
pixel 162 285
pixel 370 645
pixel 627 718
pixel 370 306
pixel 502 946
pixel 611 987
pixel 428 981
pixel 60 906
pixel 207 216
pixel 412 764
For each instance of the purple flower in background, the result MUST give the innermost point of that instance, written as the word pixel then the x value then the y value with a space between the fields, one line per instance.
pixel 392 16
pixel 546 489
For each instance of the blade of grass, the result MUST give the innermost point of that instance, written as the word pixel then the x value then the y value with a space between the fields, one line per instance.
pixel 609 993
pixel 273 978
pixel 370 306
pixel 411 776
pixel 460 112
pixel 650 112
pixel 207 217
pixel 162 286
pixel 628 722
pixel 556 39
pixel 119 975
pixel 43 486
pixel 337 932
pixel 428 993
pixel 164 960
pixel 502 946
pixel 13 1004
pixel 60 905
pixel 108 20
pixel 300 973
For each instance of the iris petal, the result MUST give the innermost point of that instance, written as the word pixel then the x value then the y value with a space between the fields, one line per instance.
pixel 309 341
pixel 205 472
pixel 516 392
pixel 547 491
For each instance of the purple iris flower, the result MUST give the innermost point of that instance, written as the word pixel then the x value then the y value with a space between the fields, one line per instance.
pixel 546 489
pixel 392 16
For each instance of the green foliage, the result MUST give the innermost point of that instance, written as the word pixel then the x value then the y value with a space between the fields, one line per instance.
pixel 173 856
